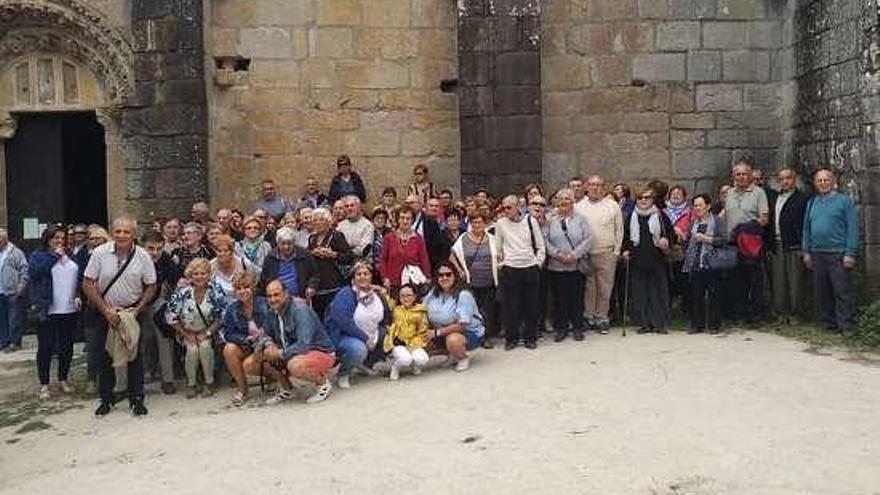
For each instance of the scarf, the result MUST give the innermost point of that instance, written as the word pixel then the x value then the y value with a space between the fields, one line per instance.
pixel 676 212
pixel 250 248
pixel 653 225
pixel 695 255
pixel 363 296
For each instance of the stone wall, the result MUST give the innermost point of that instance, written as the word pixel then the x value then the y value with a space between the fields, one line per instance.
pixel 164 122
pixel 673 89
pixel 317 78
pixel 835 43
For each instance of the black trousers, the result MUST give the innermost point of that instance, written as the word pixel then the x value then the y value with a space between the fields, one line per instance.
pixel 748 287
pixel 705 303
pixel 106 374
pixel 55 337
pixel 519 288
pixel 567 289
pixel 488 305
pixel 543 293
pixel 835 291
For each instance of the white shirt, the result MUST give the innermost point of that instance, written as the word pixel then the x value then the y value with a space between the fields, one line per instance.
pixel 127 291
pixel 358 234
pixel 4 254
pixel 513 242
pixel 780 203
pixel 64 280
pixel 367 317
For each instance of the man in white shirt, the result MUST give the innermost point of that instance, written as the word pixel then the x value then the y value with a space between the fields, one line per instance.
pixel 606 223
pixel 13 282
pixel 357 229
pixel 133 289
pixel 521 253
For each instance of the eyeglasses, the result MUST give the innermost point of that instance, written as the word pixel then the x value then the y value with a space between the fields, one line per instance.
pixel 646 197
pixel 444 274
pixel 507 207
pixel 80 232
pixel 537 204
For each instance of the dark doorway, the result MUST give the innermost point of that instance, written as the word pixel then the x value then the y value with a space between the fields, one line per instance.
pixel 499 55
pixel 56 171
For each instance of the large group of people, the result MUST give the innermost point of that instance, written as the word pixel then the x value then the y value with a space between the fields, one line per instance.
pixel 306 293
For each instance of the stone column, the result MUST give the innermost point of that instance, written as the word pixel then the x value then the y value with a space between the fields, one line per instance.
pixel 499 49
pixel 8 126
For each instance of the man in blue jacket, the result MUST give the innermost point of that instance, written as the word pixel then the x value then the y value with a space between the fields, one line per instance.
pixel 830 244
pixel 299 347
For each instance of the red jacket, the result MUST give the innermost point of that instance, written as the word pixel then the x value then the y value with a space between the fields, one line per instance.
pixel 395 255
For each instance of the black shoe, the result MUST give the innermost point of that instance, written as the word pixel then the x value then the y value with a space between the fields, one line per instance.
pixel 714 331
pixel 643 330
pixel 168 388
pixel 487 344
pixel 509 346
pixel 104 408
pixel 578 335
pixel 531 345
pixel 559 337
pixel 137 406
pixel 661 331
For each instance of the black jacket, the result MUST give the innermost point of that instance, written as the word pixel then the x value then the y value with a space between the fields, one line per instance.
pixel 791 221
pixel 436 242
pixel 335 193
pixel 306 271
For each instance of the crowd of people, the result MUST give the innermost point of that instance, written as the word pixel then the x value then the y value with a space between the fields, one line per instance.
pixel 304 293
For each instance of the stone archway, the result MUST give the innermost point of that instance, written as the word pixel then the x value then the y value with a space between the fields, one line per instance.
pixel 72 30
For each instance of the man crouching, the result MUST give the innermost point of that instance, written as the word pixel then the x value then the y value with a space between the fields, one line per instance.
pixel 298 348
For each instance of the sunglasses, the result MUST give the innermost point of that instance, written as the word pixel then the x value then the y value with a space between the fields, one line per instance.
pixel 444 274
pixel 507 207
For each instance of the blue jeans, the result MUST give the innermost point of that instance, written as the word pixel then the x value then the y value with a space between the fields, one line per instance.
pixel 353 351
pixel 10 320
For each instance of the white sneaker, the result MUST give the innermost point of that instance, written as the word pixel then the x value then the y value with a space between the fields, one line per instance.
pixel 321 392
pixel 463 364
pixel 344 381
pixel 66 387
pixel 416 370
pixel 395 373
pixel 44 393
pixel 280 396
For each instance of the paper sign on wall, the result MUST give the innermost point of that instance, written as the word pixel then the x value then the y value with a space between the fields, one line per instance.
pixel 30 228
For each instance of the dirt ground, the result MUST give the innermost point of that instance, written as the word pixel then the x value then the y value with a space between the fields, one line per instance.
pixel 745 414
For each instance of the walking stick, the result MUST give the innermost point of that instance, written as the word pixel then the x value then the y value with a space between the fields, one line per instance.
pixel 625 292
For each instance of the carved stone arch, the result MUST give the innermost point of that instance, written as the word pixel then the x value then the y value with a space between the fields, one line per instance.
pixel 71 28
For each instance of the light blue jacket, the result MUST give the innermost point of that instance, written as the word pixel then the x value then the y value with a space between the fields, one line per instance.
pixel 14 272
pixel 578 230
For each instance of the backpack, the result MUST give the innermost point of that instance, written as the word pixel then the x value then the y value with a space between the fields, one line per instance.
pixel 750 244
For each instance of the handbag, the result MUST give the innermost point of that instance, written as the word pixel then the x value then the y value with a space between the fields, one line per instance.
pixel 159 319
pixel 583 263
pixel 412 274
pixel 722 258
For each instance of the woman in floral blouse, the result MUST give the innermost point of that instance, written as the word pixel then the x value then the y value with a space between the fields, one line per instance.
pixel 195 312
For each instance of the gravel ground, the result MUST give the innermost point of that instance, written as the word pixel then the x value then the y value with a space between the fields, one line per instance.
pixel 745 414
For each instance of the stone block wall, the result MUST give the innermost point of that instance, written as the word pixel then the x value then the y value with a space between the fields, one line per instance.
pixel 672 89
pixel 164 123
pixel 326 77
pixel 837 112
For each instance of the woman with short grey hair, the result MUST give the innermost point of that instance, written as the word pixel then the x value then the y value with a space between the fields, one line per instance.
pixel 294 266
pixel 568 246
pixel 332 253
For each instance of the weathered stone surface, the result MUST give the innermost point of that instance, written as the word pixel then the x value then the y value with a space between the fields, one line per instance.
pixel 742 65
pixel 265 42
pixel 688 139
pixel 703 66
pixel 372 143
pixel 676 36
pixel 285 12
pixel 741 9
pixel 338 12
pixel 700 163
pixel 715 97
pixel 612 9
pixel 693 121
pixel 377 74
pixel 692 9
pixel 569 72
pixel 433 13
pixel 332 42
pixel 725 35
pixel 391 44
pixel 653 9
pixel 274 73
pixel 386 13
pixel 659 67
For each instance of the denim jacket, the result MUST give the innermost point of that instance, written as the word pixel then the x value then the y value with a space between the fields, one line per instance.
pixel 14 272
pixel 303 331
pixel 235 323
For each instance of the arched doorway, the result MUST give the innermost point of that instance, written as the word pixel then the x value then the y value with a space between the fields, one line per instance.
pixel 65 74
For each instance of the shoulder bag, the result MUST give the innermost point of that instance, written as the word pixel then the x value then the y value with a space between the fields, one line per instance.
pixel 583 263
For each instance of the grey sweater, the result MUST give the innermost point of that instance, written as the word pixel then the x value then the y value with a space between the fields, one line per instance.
pixel 578 230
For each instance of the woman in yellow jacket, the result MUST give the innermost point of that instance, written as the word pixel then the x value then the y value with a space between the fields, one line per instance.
pixel 407 336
